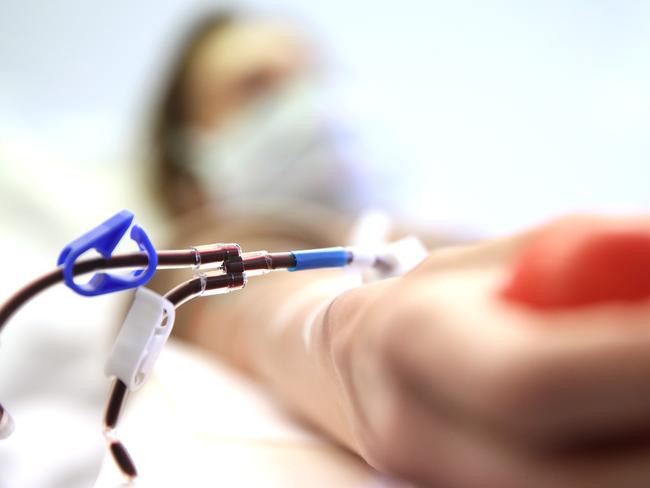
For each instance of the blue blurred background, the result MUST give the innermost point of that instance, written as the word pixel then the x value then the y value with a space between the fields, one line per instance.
pixel 502 113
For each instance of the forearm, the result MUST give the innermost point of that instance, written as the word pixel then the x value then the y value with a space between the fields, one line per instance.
pixel 439 365
pixel 275 330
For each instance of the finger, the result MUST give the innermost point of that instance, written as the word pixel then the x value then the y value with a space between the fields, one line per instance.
pixel 578 263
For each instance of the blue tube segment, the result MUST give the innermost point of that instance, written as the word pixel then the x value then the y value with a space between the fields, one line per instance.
pixel 329 257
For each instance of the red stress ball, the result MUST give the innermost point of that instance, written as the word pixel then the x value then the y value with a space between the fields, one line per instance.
pixel 582 262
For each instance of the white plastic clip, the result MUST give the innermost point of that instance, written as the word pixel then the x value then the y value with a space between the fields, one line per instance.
pixel 403 255
pixel 145 330
pixel 387 260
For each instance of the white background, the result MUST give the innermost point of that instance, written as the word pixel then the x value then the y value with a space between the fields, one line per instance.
pixel 507 112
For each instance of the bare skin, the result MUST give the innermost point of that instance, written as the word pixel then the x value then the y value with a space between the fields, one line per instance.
pixel 434 377
pixel 431 376
pixel 248 60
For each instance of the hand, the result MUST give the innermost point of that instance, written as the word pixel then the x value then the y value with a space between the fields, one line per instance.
pixel 445 382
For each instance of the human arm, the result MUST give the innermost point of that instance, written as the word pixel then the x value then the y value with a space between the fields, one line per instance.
pixel 433 376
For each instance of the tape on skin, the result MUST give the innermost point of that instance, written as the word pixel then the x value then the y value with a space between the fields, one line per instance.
pixel 320 292
pixel 311 320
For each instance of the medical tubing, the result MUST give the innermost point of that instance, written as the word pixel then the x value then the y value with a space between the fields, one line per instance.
pixel 201 256
pixel 204 284
pixel 209 255
pixel 235 268
pixel 122 458
pixel 331 257
pixel 117 397
pixel 195 287
pixel 166 260
pixel 117 449
pixel 253 262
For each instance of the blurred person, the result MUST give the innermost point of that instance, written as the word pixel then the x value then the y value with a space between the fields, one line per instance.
pixel 247 142
pixel 433 376
pixel 246 121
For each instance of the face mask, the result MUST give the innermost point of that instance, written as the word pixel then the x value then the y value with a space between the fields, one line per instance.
pixel 287 148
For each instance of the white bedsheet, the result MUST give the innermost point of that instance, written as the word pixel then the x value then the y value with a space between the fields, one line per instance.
pixel 199 423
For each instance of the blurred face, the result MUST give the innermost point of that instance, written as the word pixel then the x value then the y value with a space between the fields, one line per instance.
pixel 255 114
pixel 238 64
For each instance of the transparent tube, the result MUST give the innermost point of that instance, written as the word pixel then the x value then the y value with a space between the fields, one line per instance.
pixel 211 256
pixel 178 259
pixel 221 284
pixel 257 263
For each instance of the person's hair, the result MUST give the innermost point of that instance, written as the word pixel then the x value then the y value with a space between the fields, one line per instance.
pixel 173 185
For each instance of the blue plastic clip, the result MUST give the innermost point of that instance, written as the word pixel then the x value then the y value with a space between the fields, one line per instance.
pixel 104 238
